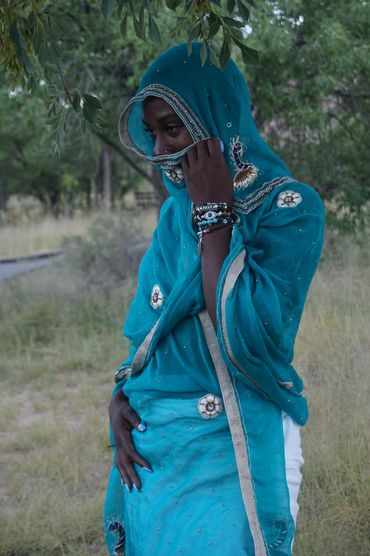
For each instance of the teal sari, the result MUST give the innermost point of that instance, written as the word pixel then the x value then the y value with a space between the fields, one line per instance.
pixel 214 403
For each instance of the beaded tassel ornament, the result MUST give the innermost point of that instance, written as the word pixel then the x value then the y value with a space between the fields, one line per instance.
pixel 246 171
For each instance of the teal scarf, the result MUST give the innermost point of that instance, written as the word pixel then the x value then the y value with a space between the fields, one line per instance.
pixel 274 248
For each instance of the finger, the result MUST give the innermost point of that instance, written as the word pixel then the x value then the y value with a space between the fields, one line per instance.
pixel 185 164
pixel 126 468
pixel 137 458
pixel 131 472
pixel 125 477
pixel 192 155
pixel 214 146
pixel 133 418
pixel 202 150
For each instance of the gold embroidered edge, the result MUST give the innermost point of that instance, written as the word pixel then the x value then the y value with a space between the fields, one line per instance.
pixel 252 201
pixel 238 437
pixel 140 355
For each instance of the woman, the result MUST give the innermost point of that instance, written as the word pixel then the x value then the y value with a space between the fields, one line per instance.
pixel 207 408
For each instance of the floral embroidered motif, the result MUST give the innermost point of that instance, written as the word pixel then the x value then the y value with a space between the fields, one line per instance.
pixel 253 200
pixel 156 298
pixel 174 174
pixel 246 171
pixel 116 527
pixel 289 199
pixel 210 406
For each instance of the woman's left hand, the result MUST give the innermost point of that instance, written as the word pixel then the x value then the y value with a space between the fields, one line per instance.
pixel 206 174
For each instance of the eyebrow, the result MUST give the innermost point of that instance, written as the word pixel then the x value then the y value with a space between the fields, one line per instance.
pixel 166 118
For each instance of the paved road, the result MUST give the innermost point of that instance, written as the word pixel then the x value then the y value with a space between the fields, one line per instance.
pixel 13 267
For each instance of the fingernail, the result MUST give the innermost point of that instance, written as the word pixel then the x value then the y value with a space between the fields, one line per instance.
pixel 141 427
pixel 148 469
pixel 135 487
pixel 125 485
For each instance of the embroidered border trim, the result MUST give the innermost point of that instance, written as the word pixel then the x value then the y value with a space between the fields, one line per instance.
pixel 140 355
pixel 239 439
pixel 191 121
pixel 253 200
pixel 235 269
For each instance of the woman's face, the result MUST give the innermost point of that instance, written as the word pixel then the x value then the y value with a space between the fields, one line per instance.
pixel 167 129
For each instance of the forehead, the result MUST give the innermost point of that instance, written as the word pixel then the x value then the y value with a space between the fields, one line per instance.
pixel 155 107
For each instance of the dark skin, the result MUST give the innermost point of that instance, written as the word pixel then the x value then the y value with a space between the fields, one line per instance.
pixel 208 179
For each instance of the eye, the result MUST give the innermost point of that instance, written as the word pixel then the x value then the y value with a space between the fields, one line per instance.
pixel 174 129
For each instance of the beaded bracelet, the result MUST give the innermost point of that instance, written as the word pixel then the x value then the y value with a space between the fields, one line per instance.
pixel 209 214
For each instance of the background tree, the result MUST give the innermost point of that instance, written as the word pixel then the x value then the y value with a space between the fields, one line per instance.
pixel 310 92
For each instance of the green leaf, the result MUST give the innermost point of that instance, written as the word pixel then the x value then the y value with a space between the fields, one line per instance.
pixel 230 6
pixel 214 59
pixel 92 101
pixel 17 36
pixel 46 53
pixel 250 55
pixel 203 53
pixel 21 47
pixel 190 47
pixel 107 8
pixel 217 2
pixel 142 21
pixel 194 31
pixel 123 25
pixel 243 10
pixel 76 102
pixel 225 53
pixel 120 4
pixel 237 34
pixel 154 33
pixel 173 4
pixel 37 38
pixel 233 22
pixel 138 25
pixel 90 113
pixel 214 25
pixel 251 3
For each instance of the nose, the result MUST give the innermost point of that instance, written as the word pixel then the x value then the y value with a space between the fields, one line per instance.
pixel 160 147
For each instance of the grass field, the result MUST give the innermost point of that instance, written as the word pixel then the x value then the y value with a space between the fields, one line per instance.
pixel 30 238
pixel 60 342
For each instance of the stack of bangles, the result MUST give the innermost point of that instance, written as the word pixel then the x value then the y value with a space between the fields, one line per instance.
pixel 212 216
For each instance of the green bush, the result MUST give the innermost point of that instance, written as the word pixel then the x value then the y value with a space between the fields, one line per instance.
pixel 109 253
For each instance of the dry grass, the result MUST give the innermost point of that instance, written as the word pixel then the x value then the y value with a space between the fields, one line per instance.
pixel 48 234
pixel 59 344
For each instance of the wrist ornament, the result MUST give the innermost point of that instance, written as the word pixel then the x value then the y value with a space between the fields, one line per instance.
pixel 212 216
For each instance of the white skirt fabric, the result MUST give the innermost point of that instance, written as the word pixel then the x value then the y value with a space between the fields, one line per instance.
pixel 293 461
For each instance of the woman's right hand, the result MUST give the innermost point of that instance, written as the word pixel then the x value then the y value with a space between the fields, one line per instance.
pixel 123 419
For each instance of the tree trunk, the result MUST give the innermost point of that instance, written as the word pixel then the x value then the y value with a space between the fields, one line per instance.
pixel 107 178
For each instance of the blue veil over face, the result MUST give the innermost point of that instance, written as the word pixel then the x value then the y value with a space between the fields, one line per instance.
pixel 211 103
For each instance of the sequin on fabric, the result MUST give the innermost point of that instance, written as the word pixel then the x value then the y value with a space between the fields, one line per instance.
pixel 156 298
